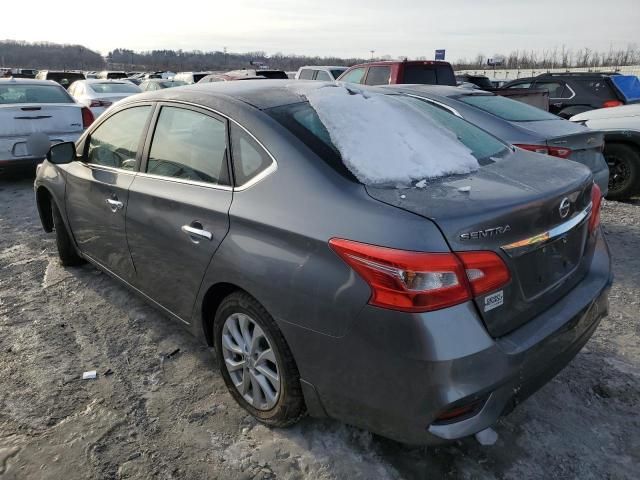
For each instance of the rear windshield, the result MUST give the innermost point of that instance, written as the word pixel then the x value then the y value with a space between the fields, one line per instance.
pixel 172 83
pixel 597 86
pixel 109 87
pixel 199 76
pixel 482 82
pixel 33 94
pixel 506 108
pixel 116 75
pixel 429 74
pixel 303 121
pixel 272 74
pixel 59 76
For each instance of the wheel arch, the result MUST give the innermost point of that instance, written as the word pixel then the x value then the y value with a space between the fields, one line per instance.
pixel 631 138
pixel 43 202
pixel 211 300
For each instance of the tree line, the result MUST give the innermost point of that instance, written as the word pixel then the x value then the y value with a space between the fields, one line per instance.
pixel 46 55
pixel 557 57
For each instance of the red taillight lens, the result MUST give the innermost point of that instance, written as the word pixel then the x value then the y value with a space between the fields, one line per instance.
pixel 559 152
pixel 533 148
pixel 596 203
pixel 87 117
pixel 486 271
pixel 612 103
pixel 553 151
pixel 419 281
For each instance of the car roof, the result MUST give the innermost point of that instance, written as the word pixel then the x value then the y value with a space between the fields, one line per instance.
pixel 328 67
pixel 437 90
pixel 406 62
pixel 261 95
pixel 29 81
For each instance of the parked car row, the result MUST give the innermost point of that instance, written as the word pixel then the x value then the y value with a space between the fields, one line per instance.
pixel 445 277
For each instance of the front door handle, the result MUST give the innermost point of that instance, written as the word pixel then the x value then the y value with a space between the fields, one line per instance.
pixel 196 230
pixel 114 205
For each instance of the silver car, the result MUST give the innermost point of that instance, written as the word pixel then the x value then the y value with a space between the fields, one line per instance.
pixel 35 111
pixel 421 313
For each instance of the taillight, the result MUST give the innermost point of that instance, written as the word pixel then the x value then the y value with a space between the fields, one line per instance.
pixel 559 152
pixel 596 203
pixel 533 148
pixel 486 271
pixel 419 281
pixel 612 103
pixel 87 117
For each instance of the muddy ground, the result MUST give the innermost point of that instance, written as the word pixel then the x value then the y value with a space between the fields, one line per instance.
pixel 169 416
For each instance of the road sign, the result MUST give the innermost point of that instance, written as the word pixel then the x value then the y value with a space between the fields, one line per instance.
pixel 440 54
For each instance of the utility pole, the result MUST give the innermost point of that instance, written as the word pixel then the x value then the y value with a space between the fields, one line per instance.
pixel 372 52
pixel 224 49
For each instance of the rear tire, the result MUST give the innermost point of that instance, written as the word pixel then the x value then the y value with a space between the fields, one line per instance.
pixel 66 249
pixel 288 406
pixel 624 170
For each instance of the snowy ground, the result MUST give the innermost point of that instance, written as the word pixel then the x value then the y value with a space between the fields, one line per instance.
pixel 160 416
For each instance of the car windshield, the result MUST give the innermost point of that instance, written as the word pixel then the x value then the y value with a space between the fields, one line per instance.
pixel 112 87
pixel 303 121
pixel 33 94
pixel 506 108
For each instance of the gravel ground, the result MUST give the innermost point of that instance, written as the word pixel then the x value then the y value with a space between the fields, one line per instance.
pixel 164 415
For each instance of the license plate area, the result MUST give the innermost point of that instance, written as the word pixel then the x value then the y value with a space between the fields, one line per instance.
pixel 551 263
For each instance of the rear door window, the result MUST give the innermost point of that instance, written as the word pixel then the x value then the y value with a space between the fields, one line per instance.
pixel 520 85
pixel 354 76
pixel 378 76
pixel 116 141
pixel 189 145
pixel 249 158
pixel 306 74
pixel 323 76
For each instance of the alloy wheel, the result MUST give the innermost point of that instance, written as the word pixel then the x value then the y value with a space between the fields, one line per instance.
pixel 618 173
pixel 250 361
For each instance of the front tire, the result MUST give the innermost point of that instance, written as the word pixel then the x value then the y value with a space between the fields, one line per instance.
pixel 624 170
pixel 256 363
pixel 66 249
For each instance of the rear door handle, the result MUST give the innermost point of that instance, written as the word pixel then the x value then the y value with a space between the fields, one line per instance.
pixel 114 205
pixel 194 231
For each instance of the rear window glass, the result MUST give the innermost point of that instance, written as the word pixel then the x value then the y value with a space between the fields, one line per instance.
pixel 116 75
pixel 429 74
pixel 172 83
pixel 597 86
pixel 33 94
pixel 114 88
pixel 272 74
pixel 67 76
pixel 303 121
pixel 199 76
pixel 506 108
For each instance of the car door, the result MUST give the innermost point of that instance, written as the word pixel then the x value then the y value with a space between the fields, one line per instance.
pixel 179 204
pixel 97 188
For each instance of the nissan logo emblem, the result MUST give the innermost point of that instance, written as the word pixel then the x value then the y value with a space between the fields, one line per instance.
pixel 565 206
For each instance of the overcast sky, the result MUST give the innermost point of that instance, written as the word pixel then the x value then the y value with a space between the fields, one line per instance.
pixel 345 28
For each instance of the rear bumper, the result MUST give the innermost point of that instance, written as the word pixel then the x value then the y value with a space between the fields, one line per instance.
pixel 394 373
pixel 13 152
pixel 601 178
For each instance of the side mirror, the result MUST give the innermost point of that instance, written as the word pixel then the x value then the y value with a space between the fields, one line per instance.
pixel 62 153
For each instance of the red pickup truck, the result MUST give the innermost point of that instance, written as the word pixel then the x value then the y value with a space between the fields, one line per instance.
pixel 387 73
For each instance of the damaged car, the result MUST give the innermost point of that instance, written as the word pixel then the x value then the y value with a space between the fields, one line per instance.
pixel 350 253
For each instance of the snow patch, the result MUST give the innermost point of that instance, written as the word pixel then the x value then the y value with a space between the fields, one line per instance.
pixel 385 141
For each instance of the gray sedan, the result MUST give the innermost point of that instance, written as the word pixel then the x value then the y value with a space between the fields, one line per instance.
pixel 422 313
pixel 521 125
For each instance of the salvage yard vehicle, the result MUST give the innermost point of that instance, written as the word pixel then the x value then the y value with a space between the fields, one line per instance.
pixel 191 77
pixel 36 111
pixel 572 93
pixel 111 74
pixel 393 72
pixel 324 73
pixel 62 77
pixel 621 126
pixel 159 84
pixel 521 125
pixel 250 214
pixel 98 95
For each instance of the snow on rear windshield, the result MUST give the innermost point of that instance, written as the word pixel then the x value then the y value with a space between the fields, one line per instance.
pixel 385 141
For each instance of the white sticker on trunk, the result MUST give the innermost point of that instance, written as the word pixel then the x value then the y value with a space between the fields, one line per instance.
pixel 493 301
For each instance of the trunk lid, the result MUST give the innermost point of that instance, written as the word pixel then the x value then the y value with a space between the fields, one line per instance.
pixel 21 120
pixel 512 200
